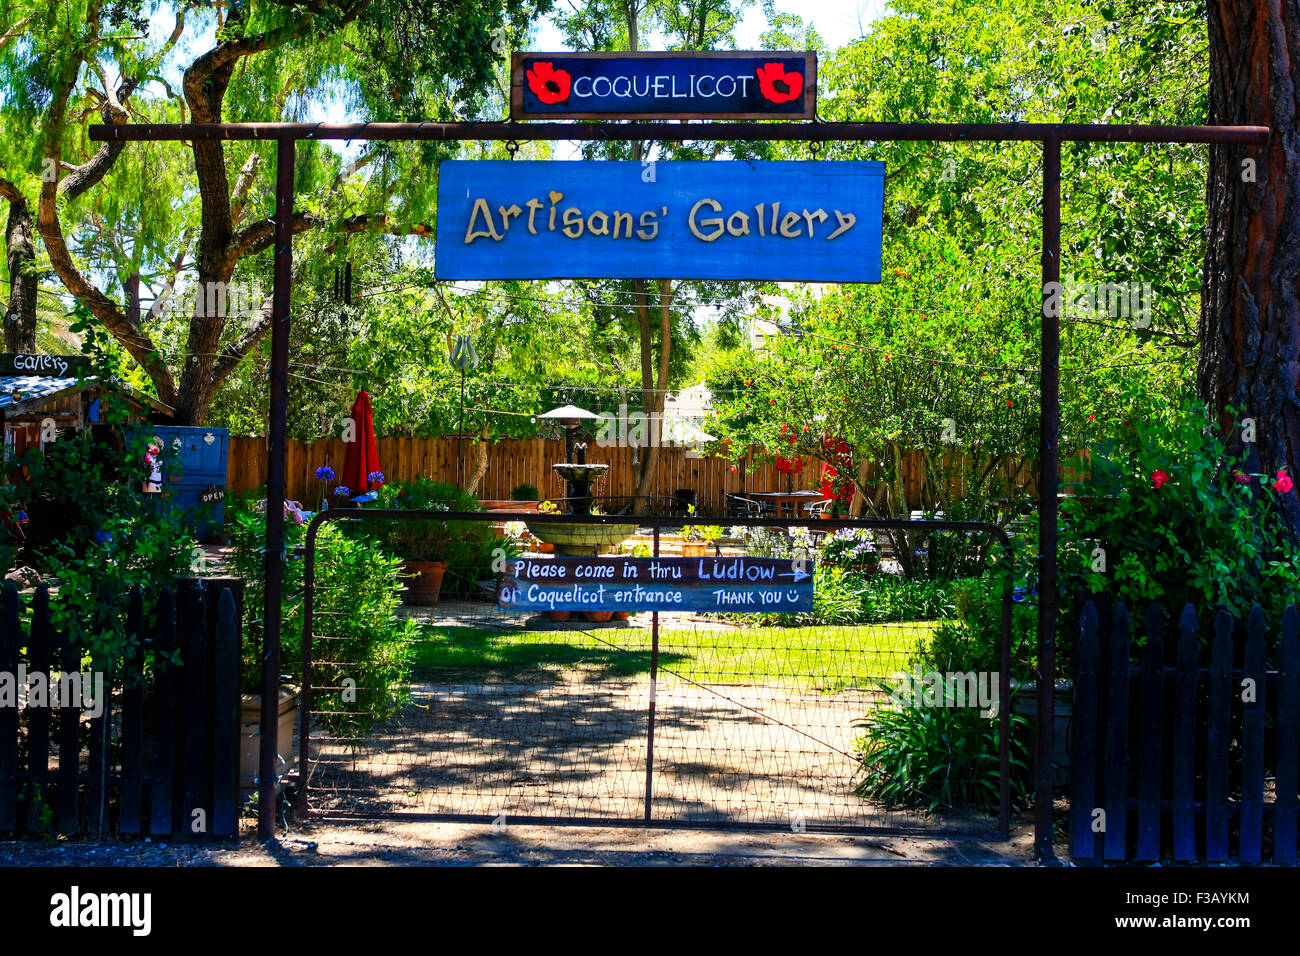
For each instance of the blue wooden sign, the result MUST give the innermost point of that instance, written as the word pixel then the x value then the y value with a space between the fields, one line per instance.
pixel 797 221
pixel 694 85
pixel 754 585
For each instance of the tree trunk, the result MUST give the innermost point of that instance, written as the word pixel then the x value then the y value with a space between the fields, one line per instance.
pixel 20 317
pixel 480 462
pixel 1250 305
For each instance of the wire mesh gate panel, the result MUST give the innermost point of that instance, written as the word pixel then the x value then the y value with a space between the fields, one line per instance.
pixel 675 718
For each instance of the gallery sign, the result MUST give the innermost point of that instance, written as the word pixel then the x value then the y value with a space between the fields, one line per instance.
pixel 526 219
pixel 758 585
pixel 706 85
pixel 49 366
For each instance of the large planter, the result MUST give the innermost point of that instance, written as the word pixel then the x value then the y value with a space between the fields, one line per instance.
pixel 694 549
pixel 424 582
pixel 250 738
pixel 1024 701
pixel 597 617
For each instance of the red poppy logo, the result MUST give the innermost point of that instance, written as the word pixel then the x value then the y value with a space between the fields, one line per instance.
pixel 549 84
pixel 778 86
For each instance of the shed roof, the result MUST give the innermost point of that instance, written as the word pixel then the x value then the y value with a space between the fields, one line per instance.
pixel 35 390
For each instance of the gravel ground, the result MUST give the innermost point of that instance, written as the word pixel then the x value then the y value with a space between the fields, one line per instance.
pixel 396 843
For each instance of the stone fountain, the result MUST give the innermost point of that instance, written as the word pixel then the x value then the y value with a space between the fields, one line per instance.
pixel 580 540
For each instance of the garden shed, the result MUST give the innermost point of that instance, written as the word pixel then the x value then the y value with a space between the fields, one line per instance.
pixel 28 402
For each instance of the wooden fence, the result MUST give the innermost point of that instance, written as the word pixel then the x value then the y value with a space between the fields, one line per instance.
pixel 1171 756
pixel 513 462
pixel 160 753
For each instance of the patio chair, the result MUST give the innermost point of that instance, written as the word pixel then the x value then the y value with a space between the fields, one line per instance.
pixel 739 507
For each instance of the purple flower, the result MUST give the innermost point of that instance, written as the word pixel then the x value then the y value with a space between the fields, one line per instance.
pixel 342 492
pixel 375 477
pixel 324 473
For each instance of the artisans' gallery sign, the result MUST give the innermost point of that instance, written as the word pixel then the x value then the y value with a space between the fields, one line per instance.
pixel 807 221
pixel 718 85
pixel 763 585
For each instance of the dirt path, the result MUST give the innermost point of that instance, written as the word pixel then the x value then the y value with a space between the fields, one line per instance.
pixel 573 745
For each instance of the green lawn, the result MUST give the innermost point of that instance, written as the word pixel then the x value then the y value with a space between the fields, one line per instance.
pixel 823 658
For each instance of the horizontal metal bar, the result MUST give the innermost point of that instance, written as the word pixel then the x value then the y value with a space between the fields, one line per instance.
pixel 652 521
pixel 690 131
pixel 858 829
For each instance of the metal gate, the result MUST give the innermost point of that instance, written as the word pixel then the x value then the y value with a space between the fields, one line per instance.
pixel 660 719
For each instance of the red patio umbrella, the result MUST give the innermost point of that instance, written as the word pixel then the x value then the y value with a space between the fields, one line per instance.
pixel 362 459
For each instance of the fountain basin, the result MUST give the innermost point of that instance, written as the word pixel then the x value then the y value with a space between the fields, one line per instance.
pixel 580 540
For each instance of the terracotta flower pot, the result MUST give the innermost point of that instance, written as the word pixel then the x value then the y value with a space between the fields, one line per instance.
pixel 694 549
pixel 598 617
pixel 424 582
pixel 558 615
pixel 619 615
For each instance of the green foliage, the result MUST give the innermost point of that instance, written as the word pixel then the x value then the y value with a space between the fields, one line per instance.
pixel 1212 535
pixel 939 757
pixel 971 638
pixel 525 492
pixel 358 589
pixel 469 548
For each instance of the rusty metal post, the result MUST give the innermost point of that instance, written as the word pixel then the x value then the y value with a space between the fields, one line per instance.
pixel 1048 482
pixel 275 474
pixel 308 624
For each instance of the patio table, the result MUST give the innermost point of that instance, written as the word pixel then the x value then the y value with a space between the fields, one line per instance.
pixel 789 500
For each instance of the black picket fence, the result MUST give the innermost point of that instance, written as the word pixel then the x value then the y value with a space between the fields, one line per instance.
pixel 158 755
pixel 1191 754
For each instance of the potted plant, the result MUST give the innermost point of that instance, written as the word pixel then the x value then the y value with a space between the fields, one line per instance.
pixel 696 539
pixel 428 546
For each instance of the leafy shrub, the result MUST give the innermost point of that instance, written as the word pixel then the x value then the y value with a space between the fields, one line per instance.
pixel 849 547
pixel 971 638
pixel 939 757
pixel 468 547
pixel 358 589
pixel 892 597
pixel 1178 520
pixel 525 492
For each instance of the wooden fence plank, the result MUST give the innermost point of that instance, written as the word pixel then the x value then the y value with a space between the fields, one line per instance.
pixel 1150 756
pixel 69 743
pixel 1083 767
pixel 1251 846
pixel 1217 736
pixel 101 753
pixel 1183 785
pixel 191 630
pixel 1288 740
pixel 225 719
pixel 132 786
pixel 40 648
pixel 1116 760
pixel 167 675
pixel 10 639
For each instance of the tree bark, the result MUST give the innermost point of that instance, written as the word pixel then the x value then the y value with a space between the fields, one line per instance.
pixel 1250 306
pixel 20 316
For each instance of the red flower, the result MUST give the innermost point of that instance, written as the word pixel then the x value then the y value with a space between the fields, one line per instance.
pixel 550 85
pixel 778 86
pixel 1283 483
pixel 1242 479
pixel 1159 478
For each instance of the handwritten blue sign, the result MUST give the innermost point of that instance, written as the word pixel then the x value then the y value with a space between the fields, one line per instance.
pixel 798 221
pixel 753 585
pixel 713 85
